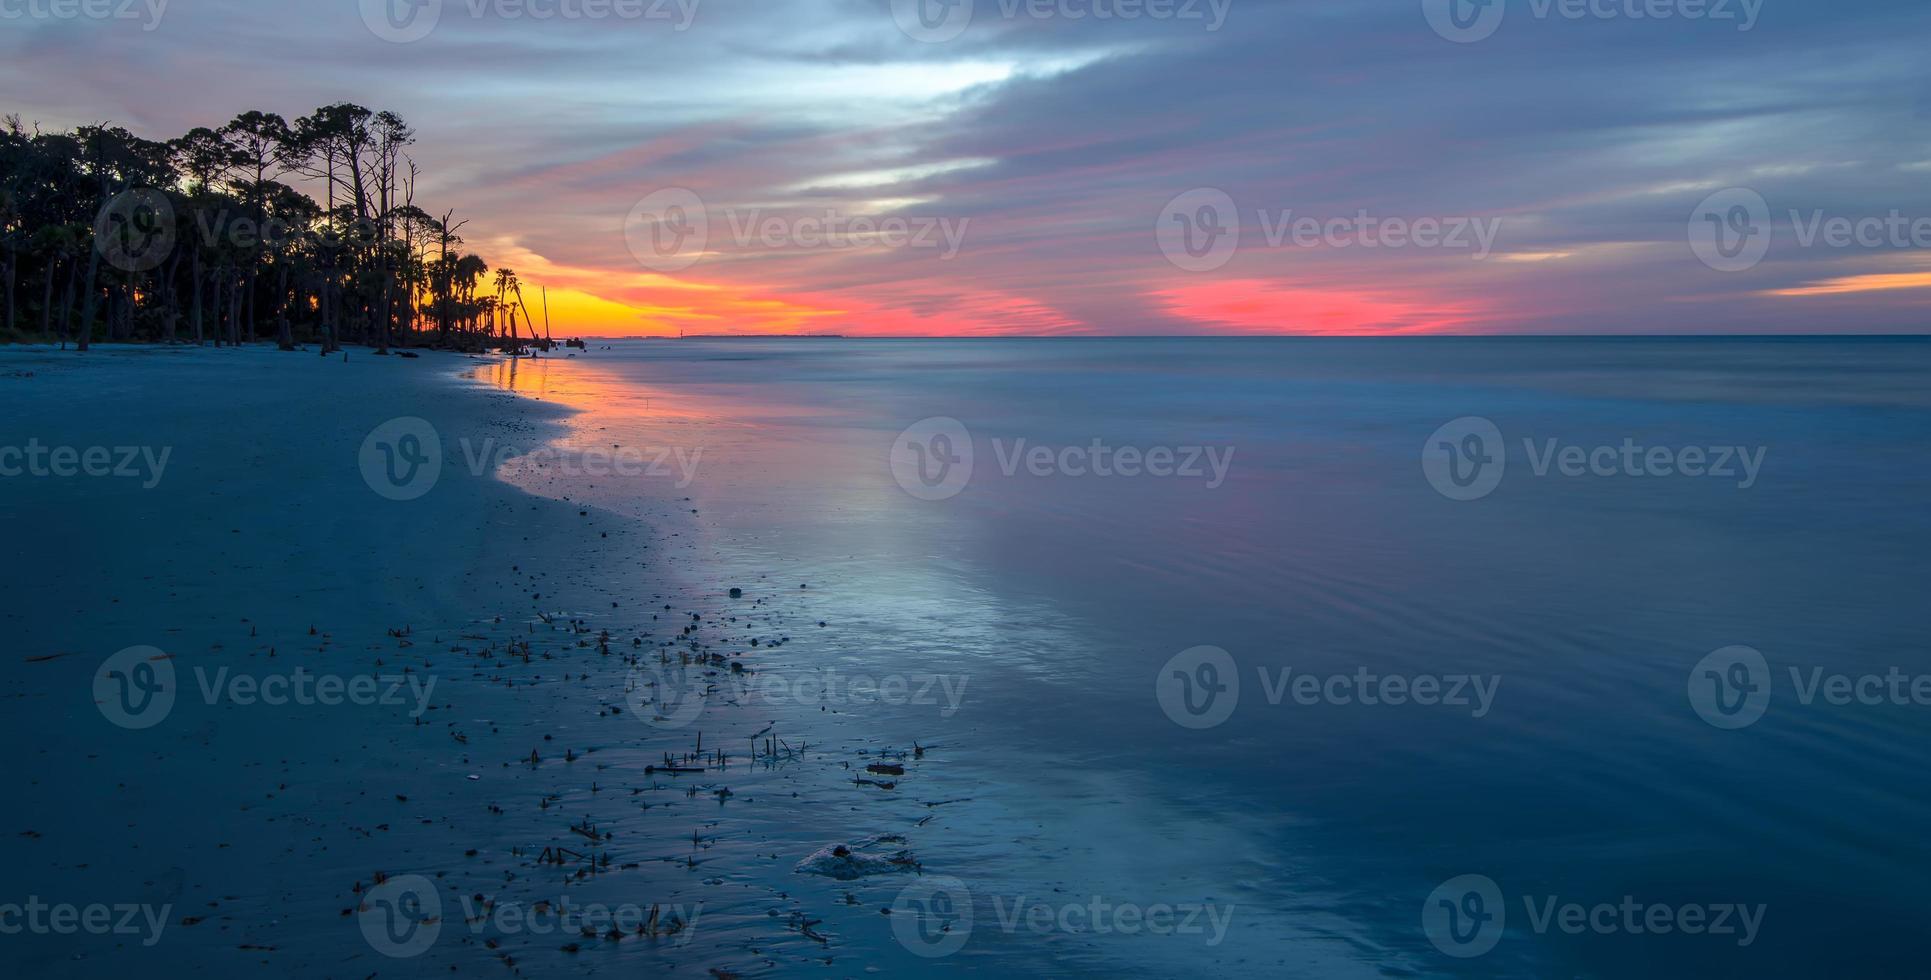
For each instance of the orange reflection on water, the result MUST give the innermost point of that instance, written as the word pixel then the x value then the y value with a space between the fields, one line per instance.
pixel 579 384
pixel 613 396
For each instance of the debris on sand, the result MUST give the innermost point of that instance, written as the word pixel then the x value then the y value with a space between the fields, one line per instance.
pixel 860 859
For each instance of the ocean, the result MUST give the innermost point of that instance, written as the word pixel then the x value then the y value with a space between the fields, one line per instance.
pixel 1531 657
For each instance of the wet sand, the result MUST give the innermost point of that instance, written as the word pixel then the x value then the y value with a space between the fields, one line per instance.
pixel 504 752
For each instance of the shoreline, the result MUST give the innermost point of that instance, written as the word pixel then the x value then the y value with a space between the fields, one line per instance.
pixel 260 771
pixel 511 637
pixel 447 690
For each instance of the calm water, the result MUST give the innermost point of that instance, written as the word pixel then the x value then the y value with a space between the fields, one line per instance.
pixel 1585 603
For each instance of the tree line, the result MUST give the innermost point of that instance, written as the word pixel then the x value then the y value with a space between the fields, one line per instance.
pixel 106 236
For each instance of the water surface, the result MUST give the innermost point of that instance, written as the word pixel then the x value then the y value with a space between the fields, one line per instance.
pixel 1587 600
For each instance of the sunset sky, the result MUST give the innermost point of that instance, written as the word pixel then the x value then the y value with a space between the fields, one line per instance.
pixel 1053 146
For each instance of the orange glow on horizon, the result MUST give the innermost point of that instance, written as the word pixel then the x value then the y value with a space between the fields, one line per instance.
pixel 1263 307
pixel 633 303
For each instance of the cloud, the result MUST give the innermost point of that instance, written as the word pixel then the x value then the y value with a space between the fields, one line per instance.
pixel 1592 142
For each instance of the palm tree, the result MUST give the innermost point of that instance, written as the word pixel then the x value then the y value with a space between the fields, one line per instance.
pixel 506 282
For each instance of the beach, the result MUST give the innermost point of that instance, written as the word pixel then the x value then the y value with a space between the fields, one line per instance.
pixel 455 691
pixel 664 657
pixel 255 821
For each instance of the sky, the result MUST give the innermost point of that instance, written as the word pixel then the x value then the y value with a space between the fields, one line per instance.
pixel 1071 167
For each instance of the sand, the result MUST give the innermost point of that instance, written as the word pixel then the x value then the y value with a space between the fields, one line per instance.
pixel 429 726
pixel 366 688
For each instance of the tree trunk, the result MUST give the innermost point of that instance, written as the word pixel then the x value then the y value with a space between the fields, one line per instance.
pixel 382 313
pixel 214 314
pixel 13 262
pixel 198 338
pixel 67 301
pixel 124 322
pixel 91 299
pixel 249 296
pixel 327 307
pixel 47 298
pixel 171 309
pixel 284 338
